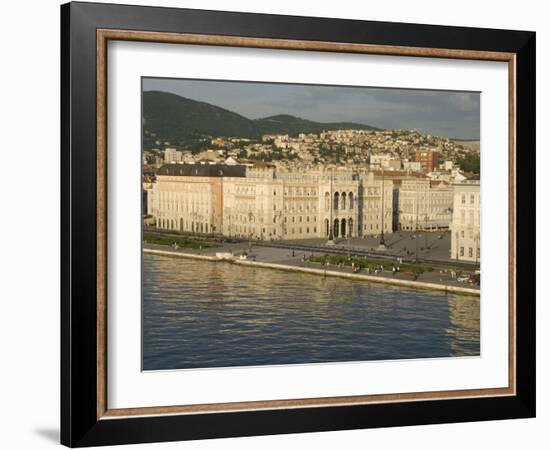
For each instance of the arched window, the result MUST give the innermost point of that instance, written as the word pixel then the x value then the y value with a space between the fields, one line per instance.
pixel 336 200
pixel 335 230
pixel 343 200
pixel 350 201
pixel 327 201
pixel 343 228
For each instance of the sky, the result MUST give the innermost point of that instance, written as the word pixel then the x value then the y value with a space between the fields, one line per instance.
pixel 453 114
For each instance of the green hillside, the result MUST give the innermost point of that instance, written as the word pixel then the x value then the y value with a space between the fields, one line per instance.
pixel 181 122
pixel 286 124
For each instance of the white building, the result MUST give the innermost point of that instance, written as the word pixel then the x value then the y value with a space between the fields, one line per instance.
pixel 171 155
pixel 381 160
pixel 424 204
pixel 413 166
pixel 261 202
pixel 302 204
pixel 465 226
pixel 189 197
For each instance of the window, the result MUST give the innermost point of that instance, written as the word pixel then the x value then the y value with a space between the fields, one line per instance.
pixel 470 252
pixel 461 251
pixel 472 199
pixel 462 233
pixel 463 199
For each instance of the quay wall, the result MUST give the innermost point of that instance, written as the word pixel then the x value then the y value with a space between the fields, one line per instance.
pixel 325 272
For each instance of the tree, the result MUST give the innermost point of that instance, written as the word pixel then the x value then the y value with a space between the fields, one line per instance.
pixel 469 163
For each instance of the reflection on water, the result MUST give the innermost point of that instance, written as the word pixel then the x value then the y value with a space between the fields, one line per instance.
pixel 205 314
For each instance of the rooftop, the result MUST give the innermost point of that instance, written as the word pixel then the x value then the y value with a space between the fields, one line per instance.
pixel 202 170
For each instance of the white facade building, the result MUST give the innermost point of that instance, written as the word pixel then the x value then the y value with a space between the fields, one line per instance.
pixel 465 226
pixel 424 204
pixel 265 203
pixel 171 155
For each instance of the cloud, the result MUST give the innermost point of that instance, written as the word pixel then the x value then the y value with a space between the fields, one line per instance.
pixel 443 113
pixel 465 101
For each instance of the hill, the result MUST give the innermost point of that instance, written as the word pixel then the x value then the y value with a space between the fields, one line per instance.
pixel 181 121
pixel 286 124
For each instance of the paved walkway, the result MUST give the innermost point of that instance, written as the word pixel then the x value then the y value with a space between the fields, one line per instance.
pixel 286 257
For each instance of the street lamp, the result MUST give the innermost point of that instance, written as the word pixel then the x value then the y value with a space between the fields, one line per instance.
pixel 382 240
pixel 250 216
pixel 330 224
pixel 476 249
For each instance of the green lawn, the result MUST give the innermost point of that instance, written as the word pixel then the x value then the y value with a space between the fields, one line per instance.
pixel 182 242
pixel 370 263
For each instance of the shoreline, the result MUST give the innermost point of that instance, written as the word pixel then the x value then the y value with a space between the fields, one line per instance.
pixel 323 272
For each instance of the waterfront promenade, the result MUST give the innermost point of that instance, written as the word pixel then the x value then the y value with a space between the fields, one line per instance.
pixel 440 278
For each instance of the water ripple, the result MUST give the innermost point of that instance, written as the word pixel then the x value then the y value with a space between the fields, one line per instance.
pixel 203 314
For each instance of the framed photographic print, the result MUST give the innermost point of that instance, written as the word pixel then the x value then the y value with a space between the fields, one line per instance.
pixel 277 224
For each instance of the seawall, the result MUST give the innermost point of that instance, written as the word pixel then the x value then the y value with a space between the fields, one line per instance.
pixel 324 272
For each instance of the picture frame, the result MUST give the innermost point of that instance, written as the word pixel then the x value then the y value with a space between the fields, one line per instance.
pixel 86 29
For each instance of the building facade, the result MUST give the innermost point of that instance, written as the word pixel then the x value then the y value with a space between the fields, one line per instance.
pixel 189 197
pixel 424 204
pixel 465 226
pixel 429 159
pixel 269 204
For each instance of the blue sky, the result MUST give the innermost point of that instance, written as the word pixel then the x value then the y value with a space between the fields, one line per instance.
pixel 454 114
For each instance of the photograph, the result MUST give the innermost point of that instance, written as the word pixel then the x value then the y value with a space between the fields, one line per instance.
pixel 271 224
pixel 307 224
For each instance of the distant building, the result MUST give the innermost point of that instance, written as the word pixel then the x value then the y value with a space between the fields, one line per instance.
pixel 424 204
pixel 261 202
pixel 412 165
pixel 189 197
pixel 171 155
pixel 465 226
pixel 429 159
pixel 385 161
